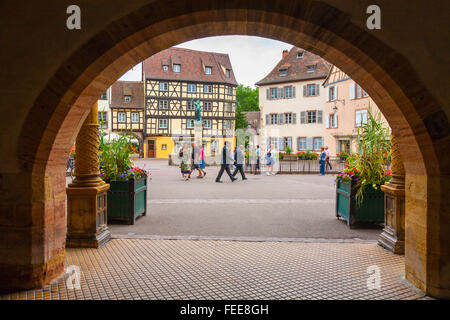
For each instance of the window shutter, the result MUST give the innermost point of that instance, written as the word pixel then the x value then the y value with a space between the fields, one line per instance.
pixel 319 116
pixel 335 93
pixel 268 94
pixel 309 143
pixel 280 118
pixel 303 117
pixel 304 90
pixel 267 119
pixel 293 91
pixel 280 93
pixel 327 91
pixel 358 119
pixel 335 120
pixel 327 121
pixel 268 143
pixel 281 144
pixel 351 93
pixel 317 89
pixel 294 118
pixel 289 142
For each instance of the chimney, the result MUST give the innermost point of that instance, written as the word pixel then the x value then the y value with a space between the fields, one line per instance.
pixel 285 53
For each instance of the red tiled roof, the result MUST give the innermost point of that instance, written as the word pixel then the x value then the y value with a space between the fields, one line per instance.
pixel 192 66
pixel 297 68
pixel 120 89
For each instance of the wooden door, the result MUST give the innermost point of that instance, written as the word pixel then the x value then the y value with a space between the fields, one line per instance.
pixel 151 149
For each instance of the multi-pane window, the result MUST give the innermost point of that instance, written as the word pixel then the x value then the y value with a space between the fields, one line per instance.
pixel 301 143
pixel 356 92
pixel 190 124
pixel 165 68
pixel 121 117
pixel 230 91
pixel 318 143
pixel 207 124
pixel 192 88
pixel 332 94
pixel 274 118
pixel 190 105
pixel 229 107
pixel 163 123
pixel 287 142
pixel 332 121
pixel 228 73
pixel 207 106
pixel 311 116
pixel 163 86
pixel 288 92
pixel 273 93
pixel 311 90
pixel 208 70
pixel 102 116
pixel 163 104
pixel 207 88
pixel 135 117
pixel 300 54
pixel 288 118
pixel 361 117
pixel 283 72
pixel 274 142
pixel 127 98
pixel 226 124
pixel 176 68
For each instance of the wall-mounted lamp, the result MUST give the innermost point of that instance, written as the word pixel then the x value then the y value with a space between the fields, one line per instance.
pixel 335 108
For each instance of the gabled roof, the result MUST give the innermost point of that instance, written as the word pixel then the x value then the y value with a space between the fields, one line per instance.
pixel 297 68
pixel 120 89
pixel 192 68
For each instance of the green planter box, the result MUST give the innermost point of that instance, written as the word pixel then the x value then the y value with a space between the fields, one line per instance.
pixel 127 200
pixel 371 210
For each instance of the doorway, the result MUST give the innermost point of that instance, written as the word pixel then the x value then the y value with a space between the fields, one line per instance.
pixel 151 153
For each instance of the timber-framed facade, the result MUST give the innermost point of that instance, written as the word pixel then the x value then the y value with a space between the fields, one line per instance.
pixel 173 79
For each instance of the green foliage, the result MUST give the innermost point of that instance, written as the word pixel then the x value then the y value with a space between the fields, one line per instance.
pixel 288 150
pixel 374 147
pixel 307 155
pixel 247 99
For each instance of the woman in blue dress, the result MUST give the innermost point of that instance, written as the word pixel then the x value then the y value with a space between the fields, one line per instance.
pixel 323 157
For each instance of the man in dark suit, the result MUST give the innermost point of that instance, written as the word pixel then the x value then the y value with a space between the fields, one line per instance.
pixel 225 161
pixel 239 159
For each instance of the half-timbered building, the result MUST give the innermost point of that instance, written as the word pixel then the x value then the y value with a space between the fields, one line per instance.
pixel 127 109
pixel 174 79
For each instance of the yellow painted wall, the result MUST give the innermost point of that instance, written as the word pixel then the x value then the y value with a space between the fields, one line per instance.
pixel 160 141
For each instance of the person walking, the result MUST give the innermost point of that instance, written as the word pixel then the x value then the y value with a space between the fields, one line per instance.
pixel 322 157
pixel 185 168
pixel 202 161
pixel 225 161
pixel 328 164
pixel 195 160
pixel 240 159
pixel 258 157
pixel 270 160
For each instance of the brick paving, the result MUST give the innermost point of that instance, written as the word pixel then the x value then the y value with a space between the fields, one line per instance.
pixel 186 269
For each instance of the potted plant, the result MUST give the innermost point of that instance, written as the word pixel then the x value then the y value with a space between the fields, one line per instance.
pixel 359 199
pixel 343 156
pixel 127 196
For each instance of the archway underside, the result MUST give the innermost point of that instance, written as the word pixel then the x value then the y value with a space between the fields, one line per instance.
pixel 387 77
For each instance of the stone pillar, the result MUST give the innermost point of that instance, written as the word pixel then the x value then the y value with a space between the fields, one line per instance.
pixel 393 236
pixel 86 196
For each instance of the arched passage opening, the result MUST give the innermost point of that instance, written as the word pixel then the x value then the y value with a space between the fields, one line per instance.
pixel 417 120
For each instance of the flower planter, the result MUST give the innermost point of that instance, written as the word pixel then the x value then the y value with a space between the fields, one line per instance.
pixel 371 210
pixel 127 200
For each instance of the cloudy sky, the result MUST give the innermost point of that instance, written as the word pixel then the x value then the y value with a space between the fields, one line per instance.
pixel 252 58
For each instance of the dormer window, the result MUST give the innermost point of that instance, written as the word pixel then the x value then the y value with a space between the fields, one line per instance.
pixel 300 54
pixel 176 68
pixel 283 72
pixel 165 68
pixel 208 70
pixel 311 68
pixel 127 98
pixel 228 73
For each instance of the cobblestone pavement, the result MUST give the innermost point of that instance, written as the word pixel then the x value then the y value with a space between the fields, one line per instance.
pixel 184 269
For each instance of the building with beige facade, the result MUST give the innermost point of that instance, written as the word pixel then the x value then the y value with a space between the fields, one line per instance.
pixel 345 110
pixel 104 113
pixel 291 99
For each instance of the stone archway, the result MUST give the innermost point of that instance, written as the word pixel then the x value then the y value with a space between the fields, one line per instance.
pixel 417 119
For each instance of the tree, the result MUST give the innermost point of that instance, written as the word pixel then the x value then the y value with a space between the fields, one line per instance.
pixel 247 99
